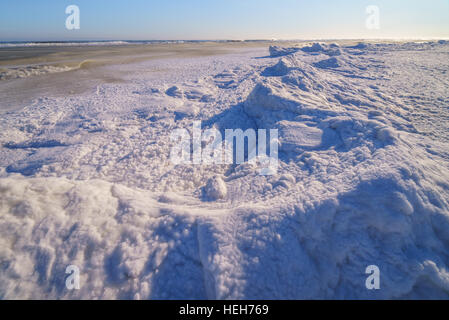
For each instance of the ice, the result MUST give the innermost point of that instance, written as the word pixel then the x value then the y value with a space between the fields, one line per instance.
pixel 315 47
pixel 279 69
pixel 297 134
pixel 362 180
pixel 359 45
pixel 276 51
pixel 328 63
pixel 216 188
pixel 174 92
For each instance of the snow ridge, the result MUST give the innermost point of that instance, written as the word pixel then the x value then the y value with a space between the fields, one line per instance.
pixel 363 180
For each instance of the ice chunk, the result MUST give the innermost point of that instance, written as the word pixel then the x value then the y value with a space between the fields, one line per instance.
pixel 328 63
pixel 316 47
pixel 276 51
pixel 174 92
pixel 386 135
pixel 265 98
pixel 293 135
pixel 360 45
pixel 185 111
pixel 216 188
pixel 279 69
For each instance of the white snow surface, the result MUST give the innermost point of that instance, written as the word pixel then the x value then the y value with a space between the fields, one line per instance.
pixel 363 180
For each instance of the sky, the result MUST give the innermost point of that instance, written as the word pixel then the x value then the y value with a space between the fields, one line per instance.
pixel 45 20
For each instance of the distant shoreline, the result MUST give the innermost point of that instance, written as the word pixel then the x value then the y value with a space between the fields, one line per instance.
pixel 12 44
pixel 69 43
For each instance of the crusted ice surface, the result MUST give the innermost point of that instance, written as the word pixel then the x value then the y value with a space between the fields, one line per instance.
pixel 363 180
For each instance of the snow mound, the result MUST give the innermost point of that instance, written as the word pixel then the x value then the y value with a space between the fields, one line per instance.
pixel 265 102
pixel 174 92
pixel 328 63
pixel 297 135
pixel 360 46
pixel 187 110
pixel 276 51
pixel 216 188
pixel 279 69
pixel 318 48
pixel 192 93
pixel 315 47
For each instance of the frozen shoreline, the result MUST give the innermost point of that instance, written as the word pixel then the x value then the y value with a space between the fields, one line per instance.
pixel 29 73
pixel 86 180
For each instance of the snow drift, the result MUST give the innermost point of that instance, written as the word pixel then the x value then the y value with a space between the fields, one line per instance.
pixel 363 180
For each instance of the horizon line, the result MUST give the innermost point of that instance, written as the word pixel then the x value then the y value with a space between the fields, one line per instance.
pixel 230 39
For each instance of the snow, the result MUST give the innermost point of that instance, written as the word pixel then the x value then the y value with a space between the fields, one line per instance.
pixel 363 179
pixel 296 135
pixel 216 188
pixel 277 51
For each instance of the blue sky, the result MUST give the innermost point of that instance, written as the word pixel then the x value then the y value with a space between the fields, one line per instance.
pixel 225 19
